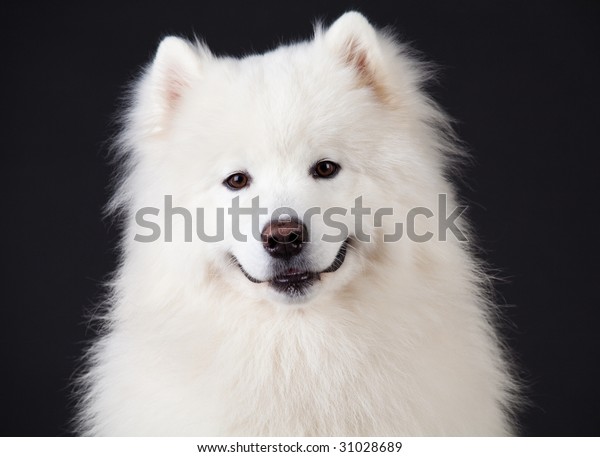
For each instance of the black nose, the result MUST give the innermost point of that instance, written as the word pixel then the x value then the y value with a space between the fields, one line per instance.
pixel 284 239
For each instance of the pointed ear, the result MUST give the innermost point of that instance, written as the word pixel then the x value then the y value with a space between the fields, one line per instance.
pixel 176 64
pixel 354 40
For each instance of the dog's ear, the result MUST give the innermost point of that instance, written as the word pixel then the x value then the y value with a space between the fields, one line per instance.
pixel 176 65
pixel 356 43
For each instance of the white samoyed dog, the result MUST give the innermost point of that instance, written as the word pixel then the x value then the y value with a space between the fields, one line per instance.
pixel 316 323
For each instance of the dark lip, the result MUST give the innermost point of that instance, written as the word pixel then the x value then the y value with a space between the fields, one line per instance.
pixel 296 282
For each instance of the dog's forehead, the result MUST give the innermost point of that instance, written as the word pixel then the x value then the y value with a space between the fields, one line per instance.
pixel 288 107
pixel 292 95
pixel 279 86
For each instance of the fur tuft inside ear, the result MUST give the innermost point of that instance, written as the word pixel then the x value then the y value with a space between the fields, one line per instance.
pixel 354 40
pixel 176 65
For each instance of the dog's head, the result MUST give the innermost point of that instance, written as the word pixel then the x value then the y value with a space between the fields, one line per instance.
pixel 272 152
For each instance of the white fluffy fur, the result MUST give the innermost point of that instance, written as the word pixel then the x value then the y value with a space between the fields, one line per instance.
pixel 398 341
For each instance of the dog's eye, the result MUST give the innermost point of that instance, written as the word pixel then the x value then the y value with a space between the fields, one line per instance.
pixel 237 181
pixel 325 169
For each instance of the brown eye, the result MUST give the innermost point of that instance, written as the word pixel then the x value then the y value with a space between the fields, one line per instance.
pixel 237 181
pixel 325 169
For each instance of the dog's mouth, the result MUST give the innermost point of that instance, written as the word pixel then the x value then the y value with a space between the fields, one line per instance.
pixel 294 281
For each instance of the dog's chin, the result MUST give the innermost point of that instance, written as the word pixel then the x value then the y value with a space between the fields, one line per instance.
pixel 295 285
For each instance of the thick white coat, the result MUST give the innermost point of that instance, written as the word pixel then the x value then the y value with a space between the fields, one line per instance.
pixel 399 341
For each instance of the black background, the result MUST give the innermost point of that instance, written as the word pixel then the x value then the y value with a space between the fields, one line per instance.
pixel 521 78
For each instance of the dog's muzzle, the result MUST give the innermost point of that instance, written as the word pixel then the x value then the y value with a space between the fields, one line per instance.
pixel 284 240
